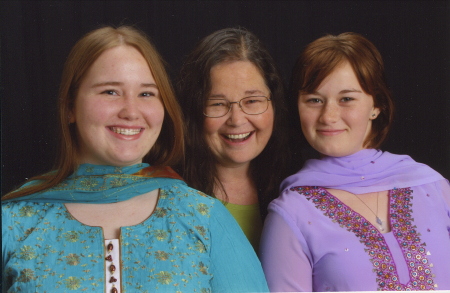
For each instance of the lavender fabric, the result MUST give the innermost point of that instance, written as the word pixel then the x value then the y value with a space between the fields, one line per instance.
pixel 313 242
pixel 366 171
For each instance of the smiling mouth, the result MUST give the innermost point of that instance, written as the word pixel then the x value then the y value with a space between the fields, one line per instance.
pixel 126 131
pixel 238 137
pixel 329 132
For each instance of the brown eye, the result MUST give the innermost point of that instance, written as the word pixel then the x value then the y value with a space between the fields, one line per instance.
pixel 148 94
pixel 313 100
pixel 109 92
pixel 347 99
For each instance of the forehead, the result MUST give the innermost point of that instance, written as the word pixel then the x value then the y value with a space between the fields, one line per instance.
pixel 315 71
pixel 239 67
pixel 122 62
pixel 341 75
pixel 122 53
pixel 239 76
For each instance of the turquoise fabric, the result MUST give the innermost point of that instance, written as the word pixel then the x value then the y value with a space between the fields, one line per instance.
pixel 190 243
pixel 99 184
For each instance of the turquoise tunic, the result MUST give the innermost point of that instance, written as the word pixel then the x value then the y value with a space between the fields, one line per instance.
pixel 190 243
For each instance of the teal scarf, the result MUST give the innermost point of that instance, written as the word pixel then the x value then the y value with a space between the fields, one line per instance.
pixel 105 184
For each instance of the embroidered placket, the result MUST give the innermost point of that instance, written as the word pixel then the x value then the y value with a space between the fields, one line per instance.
pixel 403 228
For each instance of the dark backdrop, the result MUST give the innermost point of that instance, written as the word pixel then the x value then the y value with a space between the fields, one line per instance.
pixel 36 36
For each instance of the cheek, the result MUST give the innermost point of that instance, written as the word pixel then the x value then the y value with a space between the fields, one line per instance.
pixel 158 116
pixel 304 112
pixel 89 110
pixel 212 125
pixel 307 126
pixel 265 120
pixel 307 132
pixel 210 133
pixel 306 119
pixel 154 113
pixel 360 120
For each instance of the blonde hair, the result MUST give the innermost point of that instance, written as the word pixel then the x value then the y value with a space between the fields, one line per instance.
pixel 168 148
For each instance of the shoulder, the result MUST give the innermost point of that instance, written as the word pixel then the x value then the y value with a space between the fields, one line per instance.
pixel 14 207
pixel 19 216
pixel 437 192
pixel 406 165
pixel 295 192
pixel 26 209
pixel 293 199
pixel 182 192
pixel 188 199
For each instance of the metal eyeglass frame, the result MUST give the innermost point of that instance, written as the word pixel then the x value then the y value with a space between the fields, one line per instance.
pixel 239 103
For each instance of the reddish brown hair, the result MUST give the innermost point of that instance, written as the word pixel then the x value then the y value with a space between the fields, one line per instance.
pixel 168 148
pixel 323 55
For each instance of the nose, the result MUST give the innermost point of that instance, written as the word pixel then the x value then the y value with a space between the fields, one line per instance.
pixel 129 108
pixel 329 114
pixel 237 116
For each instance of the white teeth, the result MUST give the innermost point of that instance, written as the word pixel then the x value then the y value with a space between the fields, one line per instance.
pixel 238 136
pixel 126 131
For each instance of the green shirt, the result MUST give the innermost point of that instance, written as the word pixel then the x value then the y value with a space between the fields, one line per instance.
pixel 249 218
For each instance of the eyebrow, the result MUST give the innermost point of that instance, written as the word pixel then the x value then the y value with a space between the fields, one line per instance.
pixel 246 94
pixel 344 91
pixel 252 92
pixel 217 96
pixel 116 83
pixel 350 91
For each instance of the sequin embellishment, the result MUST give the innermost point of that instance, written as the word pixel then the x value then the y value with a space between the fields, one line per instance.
pixel 403 228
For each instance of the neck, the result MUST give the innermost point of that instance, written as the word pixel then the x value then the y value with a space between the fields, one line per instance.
pixel 238 186
pixel 231 174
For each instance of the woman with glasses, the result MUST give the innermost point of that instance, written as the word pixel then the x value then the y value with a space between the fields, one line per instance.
pixel 232 98
pixel 355 218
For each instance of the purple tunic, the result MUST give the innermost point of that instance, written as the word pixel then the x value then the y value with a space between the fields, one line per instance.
pixel 313 242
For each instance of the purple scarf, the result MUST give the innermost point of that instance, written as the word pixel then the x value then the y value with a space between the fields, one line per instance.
pixel 366 171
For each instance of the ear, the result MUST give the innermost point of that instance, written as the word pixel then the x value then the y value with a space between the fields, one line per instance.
pixel 374 114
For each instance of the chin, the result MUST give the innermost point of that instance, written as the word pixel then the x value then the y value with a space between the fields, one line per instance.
pixel 334 153
pixel 235 162
pixel 124 162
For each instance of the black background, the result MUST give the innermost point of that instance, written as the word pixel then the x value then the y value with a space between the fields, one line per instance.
pixel 36 36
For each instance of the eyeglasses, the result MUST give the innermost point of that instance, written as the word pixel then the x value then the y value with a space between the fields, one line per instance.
pixel 219 107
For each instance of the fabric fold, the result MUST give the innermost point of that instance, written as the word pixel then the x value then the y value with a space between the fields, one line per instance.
pixel 368 170
pixel 105 184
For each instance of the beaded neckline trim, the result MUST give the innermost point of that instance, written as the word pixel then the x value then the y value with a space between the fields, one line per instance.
pixel 403 228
